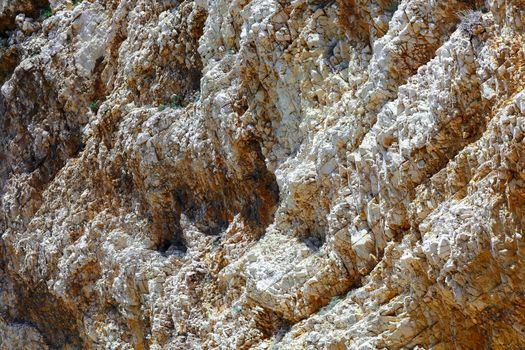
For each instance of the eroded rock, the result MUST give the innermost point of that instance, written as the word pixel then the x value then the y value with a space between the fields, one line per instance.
pixel 262 174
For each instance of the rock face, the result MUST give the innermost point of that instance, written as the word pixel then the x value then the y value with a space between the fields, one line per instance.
pixel 264 174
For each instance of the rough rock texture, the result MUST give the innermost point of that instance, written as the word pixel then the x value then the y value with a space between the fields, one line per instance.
pixel 266 174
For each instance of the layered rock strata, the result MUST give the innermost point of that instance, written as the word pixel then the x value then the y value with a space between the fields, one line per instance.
pixel 262 174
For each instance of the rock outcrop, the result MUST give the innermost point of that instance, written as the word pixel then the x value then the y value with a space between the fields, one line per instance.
pixel 264 174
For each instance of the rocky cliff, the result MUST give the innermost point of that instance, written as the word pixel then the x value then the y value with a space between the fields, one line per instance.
pixel 262 174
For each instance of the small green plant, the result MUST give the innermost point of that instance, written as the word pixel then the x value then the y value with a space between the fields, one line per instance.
pixel 94 106
pixel 175 101
pixel 47 12
pixel 76 2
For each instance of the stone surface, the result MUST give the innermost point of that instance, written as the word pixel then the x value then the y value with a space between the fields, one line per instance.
pixel 265 174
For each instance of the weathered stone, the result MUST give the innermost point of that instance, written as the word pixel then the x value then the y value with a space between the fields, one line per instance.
pixel 262 174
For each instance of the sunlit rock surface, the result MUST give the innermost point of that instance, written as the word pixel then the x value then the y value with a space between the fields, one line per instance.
pixel 262 174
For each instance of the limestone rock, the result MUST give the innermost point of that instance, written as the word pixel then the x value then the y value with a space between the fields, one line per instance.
pixel 264 174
